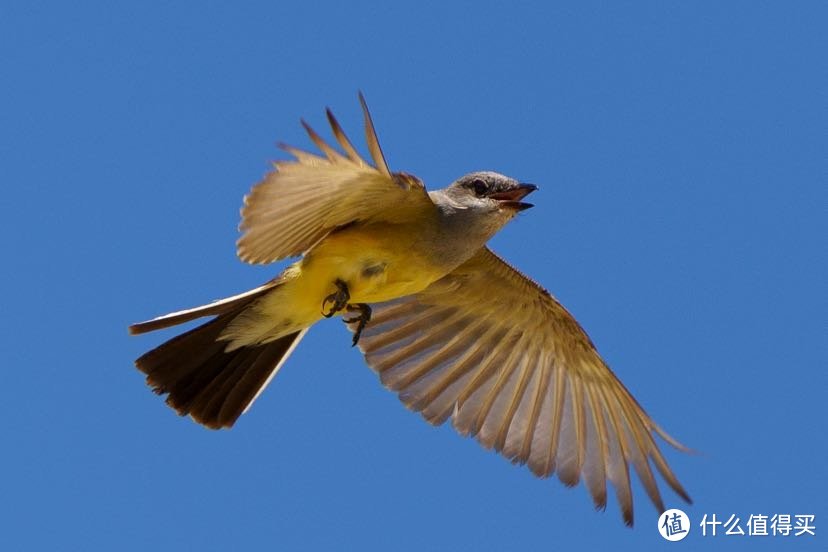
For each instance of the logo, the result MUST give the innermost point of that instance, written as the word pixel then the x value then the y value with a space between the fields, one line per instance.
pixel 673 525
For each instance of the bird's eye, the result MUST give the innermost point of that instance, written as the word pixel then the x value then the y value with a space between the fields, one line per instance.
pixel 479 187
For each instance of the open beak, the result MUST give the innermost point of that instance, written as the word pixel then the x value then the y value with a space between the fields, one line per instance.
pixel 512 198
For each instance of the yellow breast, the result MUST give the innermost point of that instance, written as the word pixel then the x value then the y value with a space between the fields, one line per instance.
pixel 377 263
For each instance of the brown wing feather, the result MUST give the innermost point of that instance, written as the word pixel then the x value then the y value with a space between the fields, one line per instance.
pixel 373 141
pixel 514 369
pixel 303 200
pixel 342 138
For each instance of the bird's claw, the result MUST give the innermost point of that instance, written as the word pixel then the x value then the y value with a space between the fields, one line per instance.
pixel 363 318
pixel 338 299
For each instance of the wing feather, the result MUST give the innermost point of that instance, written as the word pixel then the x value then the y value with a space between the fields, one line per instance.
pixel 558 398
pixel 467 363
pixel 342 138
pixel 332 155
pixel 303 200
pixel 493 351
pixel 532 424
pixel 514 436
pixel 620 471
pixel 595 472
pixel 565 452
pixel 524 374
pixel 373 142
pixel 494 400
pixel 472 398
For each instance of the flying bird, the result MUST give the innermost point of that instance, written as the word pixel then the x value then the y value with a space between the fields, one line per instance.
pixel 446 323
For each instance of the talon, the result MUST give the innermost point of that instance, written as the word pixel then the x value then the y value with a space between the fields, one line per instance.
pixel 363 319
pixel 339 299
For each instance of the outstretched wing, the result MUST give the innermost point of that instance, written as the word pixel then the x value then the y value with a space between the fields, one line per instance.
pixel 498 354
pixel 303 200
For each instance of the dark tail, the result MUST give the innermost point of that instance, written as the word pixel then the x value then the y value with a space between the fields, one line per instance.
pixel 200 378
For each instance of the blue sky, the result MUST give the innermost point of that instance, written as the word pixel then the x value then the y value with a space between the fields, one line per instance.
pixel 681 153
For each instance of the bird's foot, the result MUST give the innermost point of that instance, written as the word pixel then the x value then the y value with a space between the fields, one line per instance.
pixel 363 318
pixel 338 299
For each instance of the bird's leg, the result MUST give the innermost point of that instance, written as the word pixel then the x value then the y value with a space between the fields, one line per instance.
pixel 339 299
pixel 363 318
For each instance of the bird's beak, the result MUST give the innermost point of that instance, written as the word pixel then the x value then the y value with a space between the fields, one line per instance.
pixel 512 198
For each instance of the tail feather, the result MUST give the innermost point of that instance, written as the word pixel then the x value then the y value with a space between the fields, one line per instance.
pixel 201 378
pixel 222 306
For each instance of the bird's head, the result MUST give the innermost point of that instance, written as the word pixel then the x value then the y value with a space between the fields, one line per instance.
pixel 490 196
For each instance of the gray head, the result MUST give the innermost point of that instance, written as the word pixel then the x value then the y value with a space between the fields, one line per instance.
pixel 491 194
pixel 474 207
pixel 480 203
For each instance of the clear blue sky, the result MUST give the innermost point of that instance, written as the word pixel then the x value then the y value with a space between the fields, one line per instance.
pixel 680 148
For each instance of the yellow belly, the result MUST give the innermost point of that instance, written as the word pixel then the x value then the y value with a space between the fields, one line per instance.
pixel 377 264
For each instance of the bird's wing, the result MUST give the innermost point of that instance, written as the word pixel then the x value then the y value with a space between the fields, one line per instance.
pixel 303 200
pixel 498 354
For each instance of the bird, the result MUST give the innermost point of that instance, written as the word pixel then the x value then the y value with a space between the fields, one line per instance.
pixel 457 332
